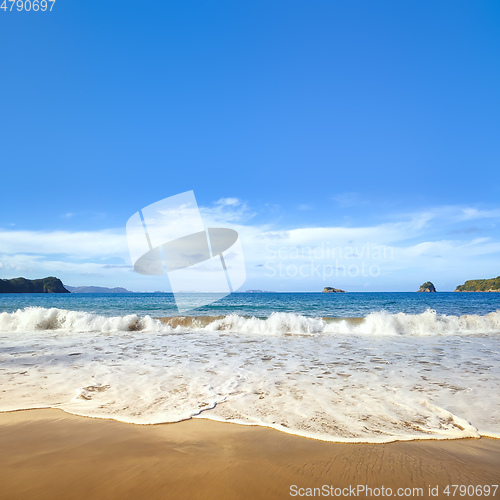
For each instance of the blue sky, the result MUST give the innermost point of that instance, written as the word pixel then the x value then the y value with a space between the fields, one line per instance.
pixel 375 123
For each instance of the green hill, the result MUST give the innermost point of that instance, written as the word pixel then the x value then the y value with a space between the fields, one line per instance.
pixel 22 285
pixel 491 285
pixel 427 287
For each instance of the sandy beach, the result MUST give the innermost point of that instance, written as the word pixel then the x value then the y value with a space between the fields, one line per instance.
pixel 51 454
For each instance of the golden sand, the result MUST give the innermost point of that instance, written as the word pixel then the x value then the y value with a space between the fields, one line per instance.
pixel 50 454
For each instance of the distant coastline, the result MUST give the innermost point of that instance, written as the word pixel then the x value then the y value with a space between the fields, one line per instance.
pixel 23 285
pixel 52 284
pixel 484 285
pixel 96 289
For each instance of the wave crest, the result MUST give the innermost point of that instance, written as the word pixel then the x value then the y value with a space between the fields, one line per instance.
pixel 40 318
pixel 381 323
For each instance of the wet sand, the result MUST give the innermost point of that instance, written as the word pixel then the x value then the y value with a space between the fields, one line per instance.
pixel 50 454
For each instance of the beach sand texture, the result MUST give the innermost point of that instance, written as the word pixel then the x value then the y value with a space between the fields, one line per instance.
pixel 49 454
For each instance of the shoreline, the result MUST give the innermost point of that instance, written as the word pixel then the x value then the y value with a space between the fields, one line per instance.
pixel 47 453
pixel 275 428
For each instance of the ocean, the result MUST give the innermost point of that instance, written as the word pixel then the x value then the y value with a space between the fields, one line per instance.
pixel 354 367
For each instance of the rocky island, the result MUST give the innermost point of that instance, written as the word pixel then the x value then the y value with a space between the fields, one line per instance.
pixel 427 287
pixel 487 285
pixel 329 289
pixel 23 285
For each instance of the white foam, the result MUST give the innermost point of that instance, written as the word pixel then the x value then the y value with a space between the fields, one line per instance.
pixel 428 323
pixel 39 318
pixel 374 324
pixel 380 380
pixel 276 324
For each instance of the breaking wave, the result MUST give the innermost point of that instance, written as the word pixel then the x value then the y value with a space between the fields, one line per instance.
pixel 40 318
pixel 428 323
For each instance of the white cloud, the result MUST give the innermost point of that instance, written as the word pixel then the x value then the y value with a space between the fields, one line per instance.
pixel 228 202
pixel 474 213
pixel 417 251
pixel 226 211
pixel 29 263
pixel 76 245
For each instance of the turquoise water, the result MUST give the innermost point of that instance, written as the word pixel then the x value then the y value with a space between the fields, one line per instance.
pixel 264 304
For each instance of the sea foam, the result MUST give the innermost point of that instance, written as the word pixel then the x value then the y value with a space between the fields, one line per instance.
pixel 428 323
pixel 382 378
pixel 39 318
